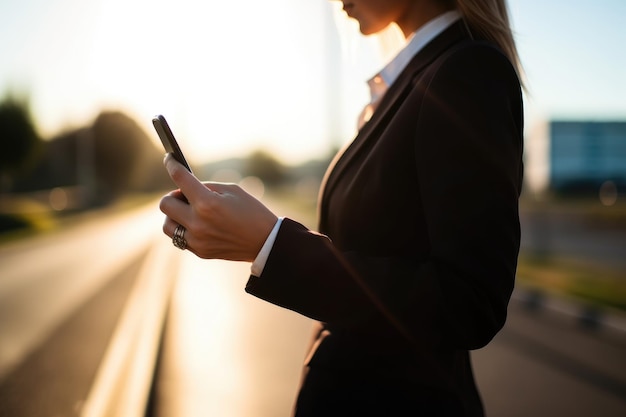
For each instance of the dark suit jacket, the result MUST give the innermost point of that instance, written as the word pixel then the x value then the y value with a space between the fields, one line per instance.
pixel 419 236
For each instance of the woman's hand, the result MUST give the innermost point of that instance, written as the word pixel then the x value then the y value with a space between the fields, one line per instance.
pixel 222 221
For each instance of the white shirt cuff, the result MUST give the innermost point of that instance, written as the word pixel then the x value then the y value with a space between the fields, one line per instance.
pixel 259 263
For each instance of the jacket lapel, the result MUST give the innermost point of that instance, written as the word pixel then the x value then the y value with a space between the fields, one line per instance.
pixel 389 104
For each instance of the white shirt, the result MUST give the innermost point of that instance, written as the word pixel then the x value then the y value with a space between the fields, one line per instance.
pixel 378 84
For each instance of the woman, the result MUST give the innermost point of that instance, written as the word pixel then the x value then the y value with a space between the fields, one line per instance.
pixel 415 258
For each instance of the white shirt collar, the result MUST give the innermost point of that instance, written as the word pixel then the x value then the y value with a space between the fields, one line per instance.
pixel 420 38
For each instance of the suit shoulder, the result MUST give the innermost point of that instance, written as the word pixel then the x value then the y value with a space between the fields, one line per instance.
pixel 481 57
pixel 469 66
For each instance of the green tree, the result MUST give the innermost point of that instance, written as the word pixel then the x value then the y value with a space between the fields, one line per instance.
pixel 123 156
pixel 265 166
pixel 19 140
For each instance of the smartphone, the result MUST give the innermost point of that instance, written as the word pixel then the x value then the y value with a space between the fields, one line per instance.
pixel 169 141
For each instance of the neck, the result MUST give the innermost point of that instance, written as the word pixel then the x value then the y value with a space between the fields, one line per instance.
pixel 420 13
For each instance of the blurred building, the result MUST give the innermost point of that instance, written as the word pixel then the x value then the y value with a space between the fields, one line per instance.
pixel 577 156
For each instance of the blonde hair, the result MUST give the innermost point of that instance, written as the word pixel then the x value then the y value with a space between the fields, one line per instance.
pixel 489 20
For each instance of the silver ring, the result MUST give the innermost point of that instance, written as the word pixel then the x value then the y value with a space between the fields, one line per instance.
pixel 178 239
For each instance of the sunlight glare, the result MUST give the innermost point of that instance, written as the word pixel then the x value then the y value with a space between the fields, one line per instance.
pixel 208 317
pixel 229 76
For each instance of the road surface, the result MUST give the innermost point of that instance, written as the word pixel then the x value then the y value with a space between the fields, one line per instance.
pixel 70 302
pixel 220 360
pixel 68 313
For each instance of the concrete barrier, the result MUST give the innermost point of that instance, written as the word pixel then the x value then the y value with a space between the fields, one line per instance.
pixel 123 381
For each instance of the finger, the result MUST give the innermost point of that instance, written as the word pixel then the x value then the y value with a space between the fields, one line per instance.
pixel 176 209
pixel 188 184
pixel 177 194
pixel 169 226
pixel 220 187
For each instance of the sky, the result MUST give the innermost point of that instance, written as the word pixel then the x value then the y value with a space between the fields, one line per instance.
pixel 288 76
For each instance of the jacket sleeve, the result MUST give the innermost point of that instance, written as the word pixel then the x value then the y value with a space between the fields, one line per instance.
pixel 468 154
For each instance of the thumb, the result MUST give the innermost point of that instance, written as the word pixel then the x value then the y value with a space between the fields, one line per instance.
pixel 188 184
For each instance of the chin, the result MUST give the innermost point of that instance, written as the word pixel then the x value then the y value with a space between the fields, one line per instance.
pixel 369 30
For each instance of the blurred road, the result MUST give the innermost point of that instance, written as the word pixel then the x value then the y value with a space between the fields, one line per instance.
pixel 61 298
pixel 545 363
pixel 228 354
pixel 64 297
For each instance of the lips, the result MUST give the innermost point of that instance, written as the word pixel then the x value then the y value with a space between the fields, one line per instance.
pixel 347 7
